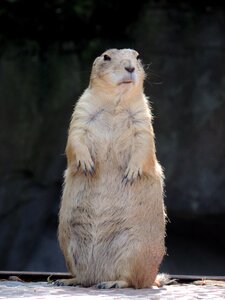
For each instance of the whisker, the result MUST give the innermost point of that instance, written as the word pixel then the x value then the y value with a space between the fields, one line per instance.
pixel 153 79
pixel 147 66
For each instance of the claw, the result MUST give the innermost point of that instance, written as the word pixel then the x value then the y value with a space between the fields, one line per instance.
pixel 131 176
pixel 58 283
pixel 115 285
pixel 92 171
pixel 125 178
pixel 85 171
pixel 101 286
pixel 83 167
pixel 111 284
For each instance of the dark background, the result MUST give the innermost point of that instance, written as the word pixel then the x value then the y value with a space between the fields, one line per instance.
pixel 46 52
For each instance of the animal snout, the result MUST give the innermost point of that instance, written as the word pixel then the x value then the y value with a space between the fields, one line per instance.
pixel 130 69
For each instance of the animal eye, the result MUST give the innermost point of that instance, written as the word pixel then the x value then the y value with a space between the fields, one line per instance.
pixel 106 57
pixel 138 57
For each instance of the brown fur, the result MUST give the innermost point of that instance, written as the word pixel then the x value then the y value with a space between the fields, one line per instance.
pixel 112 220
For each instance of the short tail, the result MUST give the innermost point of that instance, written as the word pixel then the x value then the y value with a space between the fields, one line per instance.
pixel 163 279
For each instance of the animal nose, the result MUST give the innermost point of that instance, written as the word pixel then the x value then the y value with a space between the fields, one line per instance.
pixel 130 69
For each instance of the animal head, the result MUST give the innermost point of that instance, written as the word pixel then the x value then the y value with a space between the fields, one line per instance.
pixel 118 69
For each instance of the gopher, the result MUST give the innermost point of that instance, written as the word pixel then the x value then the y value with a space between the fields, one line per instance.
pixel 112 218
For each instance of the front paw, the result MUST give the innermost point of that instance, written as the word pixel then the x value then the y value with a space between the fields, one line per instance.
pixel 85 164
pixel 132 173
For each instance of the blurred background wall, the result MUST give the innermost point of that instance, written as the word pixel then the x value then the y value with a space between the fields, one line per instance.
pixel 46 52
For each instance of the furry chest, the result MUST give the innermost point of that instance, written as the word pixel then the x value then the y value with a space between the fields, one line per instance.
pixel 111 135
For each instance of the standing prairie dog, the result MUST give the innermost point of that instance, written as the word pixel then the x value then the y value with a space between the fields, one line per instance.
pixel 112 219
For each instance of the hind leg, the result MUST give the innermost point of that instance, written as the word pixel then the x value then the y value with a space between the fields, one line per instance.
pixel 112 284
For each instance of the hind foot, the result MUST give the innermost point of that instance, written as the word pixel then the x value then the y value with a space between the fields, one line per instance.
pixel 66 282
pixel 112 284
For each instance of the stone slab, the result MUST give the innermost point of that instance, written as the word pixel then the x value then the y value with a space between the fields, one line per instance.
pixel 44 291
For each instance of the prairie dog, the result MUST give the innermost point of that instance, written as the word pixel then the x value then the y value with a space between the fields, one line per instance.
pixel 112 219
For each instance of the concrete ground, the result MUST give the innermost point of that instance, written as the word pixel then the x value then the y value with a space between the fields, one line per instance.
pixel 44 291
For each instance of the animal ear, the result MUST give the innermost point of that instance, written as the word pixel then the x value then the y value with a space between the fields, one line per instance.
pixel 106 57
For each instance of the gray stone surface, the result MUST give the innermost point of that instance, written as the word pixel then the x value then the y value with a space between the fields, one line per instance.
pixel 18 290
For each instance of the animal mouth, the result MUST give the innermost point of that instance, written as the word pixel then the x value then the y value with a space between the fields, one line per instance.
pixel 126 82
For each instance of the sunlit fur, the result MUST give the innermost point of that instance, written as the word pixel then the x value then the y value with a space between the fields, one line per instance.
pixel 112 219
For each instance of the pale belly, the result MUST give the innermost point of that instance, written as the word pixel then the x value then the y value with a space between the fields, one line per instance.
pixel 109 219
